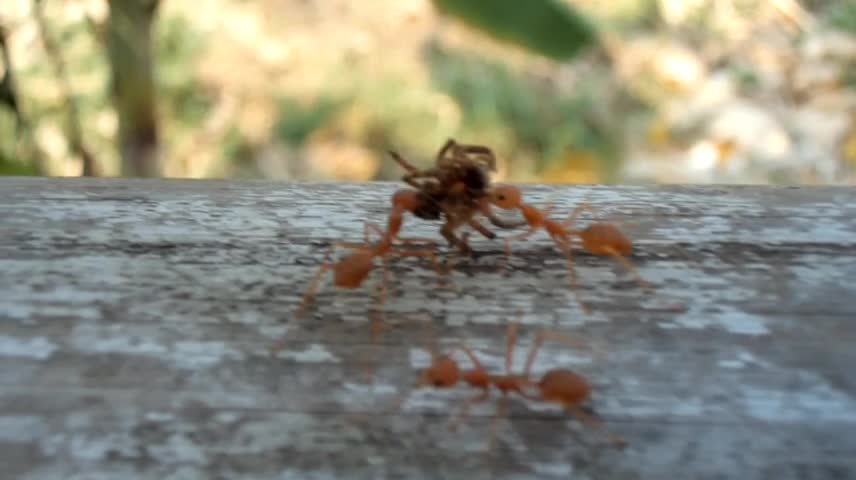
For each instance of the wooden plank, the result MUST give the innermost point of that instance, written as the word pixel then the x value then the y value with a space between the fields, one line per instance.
pixel 136 318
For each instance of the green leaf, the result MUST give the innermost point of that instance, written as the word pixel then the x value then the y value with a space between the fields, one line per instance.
pixel 10 168
pixel 546 27
pixel 297 121
pixel 843 16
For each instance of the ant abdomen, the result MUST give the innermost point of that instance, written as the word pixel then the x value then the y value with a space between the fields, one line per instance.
pixel 605 239
pixel 353 270
pixel 564 387
pixel 443 373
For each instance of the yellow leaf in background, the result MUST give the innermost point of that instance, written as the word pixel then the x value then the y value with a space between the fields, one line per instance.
pixel 344 161
pixel 848 147
pixel 725 151
pixel 577 167
pixel 711 153
pixel 659 134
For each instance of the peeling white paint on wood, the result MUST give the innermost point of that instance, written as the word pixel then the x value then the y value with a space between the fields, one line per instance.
pixel 562 470
pixel 39 348
pixel 136 319
pixel 736 322
pixel 314 353
pixel 23 428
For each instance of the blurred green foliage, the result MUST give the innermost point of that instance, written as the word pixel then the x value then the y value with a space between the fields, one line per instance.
pixel 236 149
pixel 10 167
pixel 850 76
pixel 256 93
pixel 9 138
pixel 539 119
pixel 298 120
pixel 843 16
pixel 548 27
pixel 176 46
pixel 632 15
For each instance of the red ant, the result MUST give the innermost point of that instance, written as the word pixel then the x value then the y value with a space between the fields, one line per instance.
pixel 351 271
pixel 601 238
pixel 560 386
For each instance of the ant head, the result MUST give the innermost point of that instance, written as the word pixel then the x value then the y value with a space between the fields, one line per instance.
pixel 408 200
pixel 506 196
pixel 443 373
pixel 353 269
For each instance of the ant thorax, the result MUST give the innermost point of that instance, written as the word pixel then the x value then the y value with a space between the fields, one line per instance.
pixel 532 215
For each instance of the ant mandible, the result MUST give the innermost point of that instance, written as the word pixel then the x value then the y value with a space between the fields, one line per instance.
pixel 601 238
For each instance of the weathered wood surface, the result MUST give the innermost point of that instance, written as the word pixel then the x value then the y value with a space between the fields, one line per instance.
pixel 136 318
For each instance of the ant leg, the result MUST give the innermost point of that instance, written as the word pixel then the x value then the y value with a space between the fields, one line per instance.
pixel 431 254
pixel 404 163
pixel 448 232
pixel 452 262
pixel 417 241
pixel 427 242
pixel 522 236
pixel 410 179
pixel 550 204
pixel 629 266
pixel 396 405
pixel 530 358
pixel 551 335
pixel 430 345
pixel 378 322
pixel 565 247
pixel 481 229
pixel 313 286
pixel 350 245
pixel 501 411
pixel 481 151
pixel 441 154
pixel 371 227
pixel 477 367
pixel 590 421
pixel 465 410
pixel 441 274
pixel 420 253
pixel 377 328
pixel 510 340
pixel 487 211
pixel 575 213
pixel 431 341
pixel 413 173
pixel 450 143
pixel 325 267
pixel 469 353
pixel 423 382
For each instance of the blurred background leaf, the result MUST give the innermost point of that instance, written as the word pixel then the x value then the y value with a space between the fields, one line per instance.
pixel 534 116
pixel 547 27
pixel 298 121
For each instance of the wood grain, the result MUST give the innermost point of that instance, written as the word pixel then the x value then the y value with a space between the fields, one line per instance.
pixel 136 318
